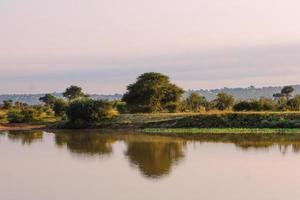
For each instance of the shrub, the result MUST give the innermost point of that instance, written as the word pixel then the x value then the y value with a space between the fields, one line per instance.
pixel 59 107
pixel 89 111
pixel 121 107
pixel 22 116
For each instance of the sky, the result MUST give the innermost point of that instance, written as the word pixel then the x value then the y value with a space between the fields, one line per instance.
pixel 103 45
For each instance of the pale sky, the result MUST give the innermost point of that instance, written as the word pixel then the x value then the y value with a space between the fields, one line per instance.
pixel 103 45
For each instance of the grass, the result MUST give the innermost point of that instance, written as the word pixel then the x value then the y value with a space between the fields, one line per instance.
pixel 221 131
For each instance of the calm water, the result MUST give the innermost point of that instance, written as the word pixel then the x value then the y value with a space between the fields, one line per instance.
pixel 88 165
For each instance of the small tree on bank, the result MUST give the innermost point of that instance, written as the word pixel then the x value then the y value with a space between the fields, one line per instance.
pixel 194 102
pixel 224 101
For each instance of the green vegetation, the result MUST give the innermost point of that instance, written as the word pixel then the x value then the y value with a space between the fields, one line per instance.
pixel 154 102
pixel 85 112
pixel 233 120
pixel 73 92
pixel 194 103
pixel 153 92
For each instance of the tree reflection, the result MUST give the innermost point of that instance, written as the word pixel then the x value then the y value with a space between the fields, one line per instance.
pixel 26 137
pixel 154 158
pixel 86 143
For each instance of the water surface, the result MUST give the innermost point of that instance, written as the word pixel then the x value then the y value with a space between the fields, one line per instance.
pixel 37 165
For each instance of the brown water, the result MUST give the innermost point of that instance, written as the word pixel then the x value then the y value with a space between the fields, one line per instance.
pixel 88 165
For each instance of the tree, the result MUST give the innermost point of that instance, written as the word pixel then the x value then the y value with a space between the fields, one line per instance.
pixel 7 104
pixel 152 92
pixel 73 92
pixel 224 101
pixel 243 106
pixel 194 102
pixel 287 92
pixel 89 111
pixel 48 100
pixel 277 96
pixel 294 103
pixel 59 107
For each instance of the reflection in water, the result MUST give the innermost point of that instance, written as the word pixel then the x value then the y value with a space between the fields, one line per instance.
pixel 282 146
pixel 26 137
pixel 154 159
pixel 86 143
pixel 154 156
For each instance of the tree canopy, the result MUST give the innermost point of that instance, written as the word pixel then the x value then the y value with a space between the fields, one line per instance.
pixel 224 101
pixel 194 102
pixel 287 92
pixel 48 99
pixel 73 92
pixel 152 92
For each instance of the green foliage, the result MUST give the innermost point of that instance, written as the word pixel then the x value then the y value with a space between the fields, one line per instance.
pixel 233 120
pixel 194 102
pixel 48 100
pixel 287 92
pixel 73 92
pixel 26 115
pixel 152 92
pixel 121 107
pixel 294 103
pixel 224 101
pixel 89 111
pixel 20 105
pixel 59 107
pixel 7 104
pixel 263 104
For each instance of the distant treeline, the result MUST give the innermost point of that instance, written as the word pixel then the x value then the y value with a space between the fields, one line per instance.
pixel 33 99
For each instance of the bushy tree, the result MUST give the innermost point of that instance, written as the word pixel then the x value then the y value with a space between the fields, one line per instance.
pixel 152 92
pixel 294 103
pixel 224 101
pixel 7 104
pixel 287 92
pixel 73 92
pixel 48 100
pixel 194 102
pixel 89 111
pixel 60 107
pixel 25 115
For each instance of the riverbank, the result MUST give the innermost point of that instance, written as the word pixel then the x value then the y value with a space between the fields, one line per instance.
pixel 20 127
pixel 212 122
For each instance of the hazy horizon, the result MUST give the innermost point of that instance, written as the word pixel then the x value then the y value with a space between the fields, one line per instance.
pixel 104 45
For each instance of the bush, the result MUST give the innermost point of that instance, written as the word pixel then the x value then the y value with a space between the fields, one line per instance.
pixel 22 116
pixel 121 107
pixel 263 104
pixel 90 111
pixel 59 107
